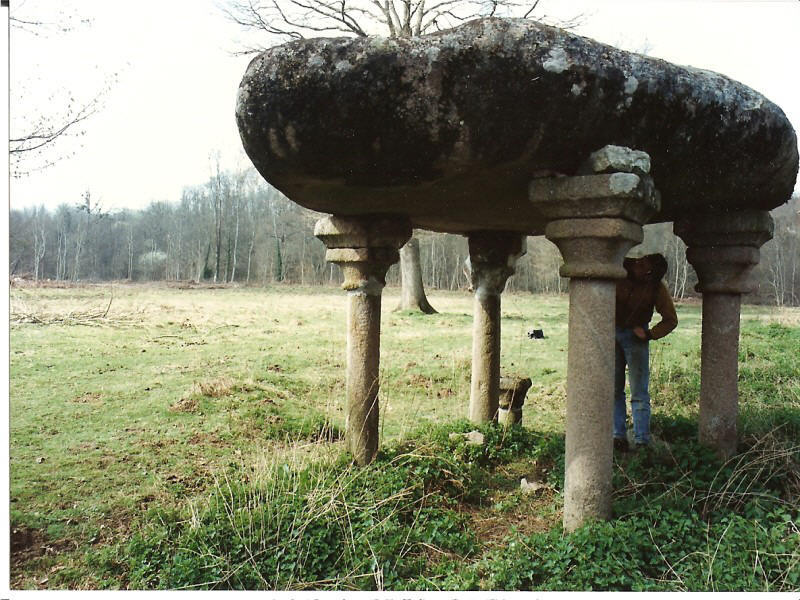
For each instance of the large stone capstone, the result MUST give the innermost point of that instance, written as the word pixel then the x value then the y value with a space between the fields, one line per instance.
pixel 449 129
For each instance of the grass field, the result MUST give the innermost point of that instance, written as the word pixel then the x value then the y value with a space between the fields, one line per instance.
pixel 153 424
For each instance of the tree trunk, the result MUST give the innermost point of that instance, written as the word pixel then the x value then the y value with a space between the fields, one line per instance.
pixel 61 266
pixel 413 293
pixel 218 228
pixel 235 243
pixel 76 266
pixel 250 254
pixel 39 246
pixel 277 265
pixel 130 252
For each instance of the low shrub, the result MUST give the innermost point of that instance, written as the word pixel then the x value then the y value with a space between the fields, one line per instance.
pixel 683 521
pixel 333 526
pixel 657 549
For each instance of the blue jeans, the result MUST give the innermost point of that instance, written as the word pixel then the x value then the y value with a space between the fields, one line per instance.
pixel 634 353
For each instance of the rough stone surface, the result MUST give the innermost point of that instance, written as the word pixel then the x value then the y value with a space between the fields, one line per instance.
pixel 590 389
pixel 594 248
pixel 363 248
pixel 336 232
pixel 628 196
pixel 530 487
pixel 724 249
pixel 473 438
pixel 745 228
pixel 724 269
pixel 450 128
pixel 593 230
pixel 512 398
pixel 719 370
pixel 513 391
pixel 610 159
pixel 363 368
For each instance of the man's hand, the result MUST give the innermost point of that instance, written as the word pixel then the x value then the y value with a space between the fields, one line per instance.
pixel 640 333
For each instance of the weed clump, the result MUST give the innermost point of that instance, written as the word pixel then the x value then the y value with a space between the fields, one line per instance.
pixel 683 521
pixel 390 525
pixel 658 549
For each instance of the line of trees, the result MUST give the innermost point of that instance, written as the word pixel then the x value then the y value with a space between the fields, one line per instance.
pixel 237 228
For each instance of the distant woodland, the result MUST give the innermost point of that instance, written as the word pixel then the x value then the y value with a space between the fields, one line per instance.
pixel 235 228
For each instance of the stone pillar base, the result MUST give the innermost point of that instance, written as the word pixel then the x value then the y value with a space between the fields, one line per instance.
pixel 512 398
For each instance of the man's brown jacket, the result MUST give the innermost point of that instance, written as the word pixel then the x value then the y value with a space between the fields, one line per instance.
pixel 635 303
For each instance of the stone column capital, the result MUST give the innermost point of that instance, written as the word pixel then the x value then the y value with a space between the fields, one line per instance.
pixel 364 248
pixel 724 249
pixel 493 256
pixel 363 232
pixel 628 196
pixel 595 219
pixel 593 248
pixel 743 228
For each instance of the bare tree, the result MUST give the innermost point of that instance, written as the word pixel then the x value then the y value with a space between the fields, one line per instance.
pixel 94 213
pixel 34 140
pixel 780 257
pixel 297 19
pixel 39 239
pixel 215 193
pixel 253 210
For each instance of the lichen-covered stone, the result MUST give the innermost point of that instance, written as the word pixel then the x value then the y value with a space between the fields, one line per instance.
pixel 617 159
pixel 450 128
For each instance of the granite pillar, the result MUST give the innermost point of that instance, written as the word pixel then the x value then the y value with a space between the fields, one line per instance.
pixel 492 258
pixel 364 248
pixel 594 220
pixel 723 249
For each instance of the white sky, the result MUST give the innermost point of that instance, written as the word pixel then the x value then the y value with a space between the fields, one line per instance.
pixel 173 103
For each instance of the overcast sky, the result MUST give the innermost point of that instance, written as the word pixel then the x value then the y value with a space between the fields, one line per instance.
pixel 173 101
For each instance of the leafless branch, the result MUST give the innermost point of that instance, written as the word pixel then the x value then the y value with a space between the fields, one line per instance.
pixel 32 144
pixel 46 134
pixel 398 18
pixel 531 9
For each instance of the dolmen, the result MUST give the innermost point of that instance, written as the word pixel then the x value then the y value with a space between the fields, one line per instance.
pixel 504 128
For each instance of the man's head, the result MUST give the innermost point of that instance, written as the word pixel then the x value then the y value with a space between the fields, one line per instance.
pixel 647 268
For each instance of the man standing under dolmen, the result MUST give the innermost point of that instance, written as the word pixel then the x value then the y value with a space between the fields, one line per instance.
pixel 637 296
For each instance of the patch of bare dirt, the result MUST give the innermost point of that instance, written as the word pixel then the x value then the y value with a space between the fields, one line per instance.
pixel 185 404
pixel 26 543
pixel 88 398
pixel 494 528
pixel 526 513
pixel 206 439
pixel 188 483
pixel 421 380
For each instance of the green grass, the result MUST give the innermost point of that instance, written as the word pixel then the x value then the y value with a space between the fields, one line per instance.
pixel 188 437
